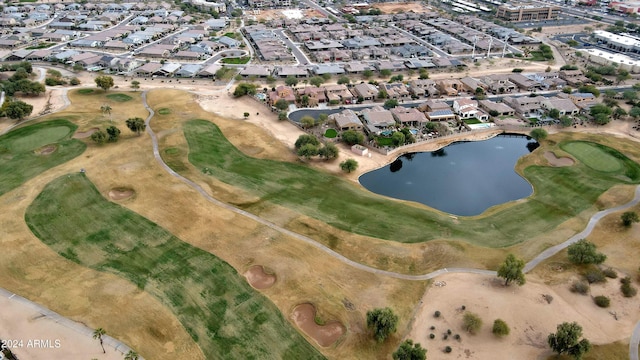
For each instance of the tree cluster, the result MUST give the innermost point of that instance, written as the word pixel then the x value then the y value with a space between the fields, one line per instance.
pixel 245 89
pixel 584 252
pixel 111 134
pixel 309 146
pixel 383 323
pixel 566 340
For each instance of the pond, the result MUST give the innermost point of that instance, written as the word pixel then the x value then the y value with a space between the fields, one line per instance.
pixel 464 178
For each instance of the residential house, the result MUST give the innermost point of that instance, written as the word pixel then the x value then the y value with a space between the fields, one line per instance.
pixel 258 71
pixel 524 83
pixel 437 111
pixel 408 116
pixel 188 70
pixel 365 91
pixel 525 106
pixel 337 94
pixel 282 92
pixel 377 118
pixel 423 87
pixel 346 120
pixel 395 90
pixel 501 108
pixel 316 95
pixel 583 100
pixel 574 77
pixel 499 83
pixel 470 85
pixel 450 87
pixel 290 70
pixel 468 109
pixel 564 106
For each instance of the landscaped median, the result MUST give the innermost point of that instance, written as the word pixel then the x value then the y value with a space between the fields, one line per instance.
pixel 28 151
pixel 223 314
pixel 560 194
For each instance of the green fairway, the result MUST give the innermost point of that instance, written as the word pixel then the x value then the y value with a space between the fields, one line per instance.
pixel 593 155
pixel 119 97
pixel 19 159
pixel 560 194
pixel 222 313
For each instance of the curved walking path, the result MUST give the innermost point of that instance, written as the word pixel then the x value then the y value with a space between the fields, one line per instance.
pixel 634 342
pixel 66 322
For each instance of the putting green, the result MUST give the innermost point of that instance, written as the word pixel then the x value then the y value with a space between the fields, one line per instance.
pixel 18 160
pixel 119 97
pixel 224 315
pixel 593 155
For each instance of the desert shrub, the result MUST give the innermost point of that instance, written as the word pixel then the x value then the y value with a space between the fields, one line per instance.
pixel 610 273
pixel 436 314
pixel 457 337
pixel 432 336
pixel 445 337
pixel 595 276
pixel 448 349
pixel 500 328
pixel 448 331
pixel 627 289
pixel 548 298
pixel 432 327
pixel 580 287
pixel 602 301
pixel 471 322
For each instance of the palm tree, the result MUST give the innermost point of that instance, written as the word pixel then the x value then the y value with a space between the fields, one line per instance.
pixel 97 334
pixel 106 109
pixel 131 355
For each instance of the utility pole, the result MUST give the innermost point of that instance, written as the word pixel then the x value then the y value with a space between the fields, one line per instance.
pixel 504 49
pixel 473 52
pixel 489 49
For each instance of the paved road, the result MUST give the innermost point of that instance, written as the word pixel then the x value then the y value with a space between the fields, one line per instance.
pixel 76 326
pixel 634 343
pixel 299 54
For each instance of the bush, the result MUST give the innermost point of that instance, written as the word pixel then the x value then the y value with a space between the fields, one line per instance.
pixel 627 289
pixel 500 328
pixel 471 322
pixel 580 287
pixel 595 276
pixel 432 336
pixel 74 81
pixel 436 314
pixel 448 349
pixel 448 331
pixel 610 273
pixel 602 301
pixel 457 337
pixel 432 327
pixel 445 337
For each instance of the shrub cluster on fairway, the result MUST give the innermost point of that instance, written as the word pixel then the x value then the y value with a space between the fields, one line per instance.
pixel 561 193
pixel 222 313
pixel 18 160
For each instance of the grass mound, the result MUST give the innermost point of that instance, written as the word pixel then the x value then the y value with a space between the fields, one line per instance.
pixel 222 313
pixel 560 194
pixel 85 91
pixel 119 97
pixel 164 111
pixel 19 160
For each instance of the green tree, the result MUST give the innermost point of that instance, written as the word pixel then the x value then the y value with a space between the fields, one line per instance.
pixel 113 133
pixel 630 95
pixel 584 252
pixel 135 84
pixel 307 122
pixel 282 115
pixel 566 121
pixel 511 270
pixel 98 334
pixel 245 89
pixel 538 134
pixel 382 94
pixel 410 351
pixel 106 109
pixel 328 151
pixel 316 81
pixel 619 112
pixel 322 118
pixel 567 90
pixel 17 109
pixel 308 150
pixel 245 114
pixel 344 80
pixel 104 82
pixel 352 137
pixel 349 165
pixel 622 76
pixel 554 113
pixel 291 81
pixel 131 355
pixel 383 322
pixel 471 322
pixel 99 137
pixel 281 104
pixel 629 217
pixel 304 100
pixel 136 125
pixel 305 139
pixel 391 103
pixel 500 328
pixel 385 73
pixel 398 138
pixel 423 74
pixel 565 340
pixel 635 112
pixel 367 74
pixel 589 89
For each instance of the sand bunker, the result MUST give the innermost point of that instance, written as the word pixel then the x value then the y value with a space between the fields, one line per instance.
pixel 558 161
pixel 85 134
pixel 46 150
pixel 258 278
pixel 120 193
pixel 325 335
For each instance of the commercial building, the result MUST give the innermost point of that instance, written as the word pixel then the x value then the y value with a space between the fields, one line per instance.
pixel 527 12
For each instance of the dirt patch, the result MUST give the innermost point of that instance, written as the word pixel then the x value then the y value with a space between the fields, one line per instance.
pixel 402 7
pixel 47 150
pixel 85 134
pixel 558 161
pixel 121 193
pixel 258 278
pixel 325 335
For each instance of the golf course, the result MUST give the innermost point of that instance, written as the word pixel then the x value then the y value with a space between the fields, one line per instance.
pixel 126 245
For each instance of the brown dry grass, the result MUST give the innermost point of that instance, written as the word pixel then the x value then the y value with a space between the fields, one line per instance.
pixel 402 7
